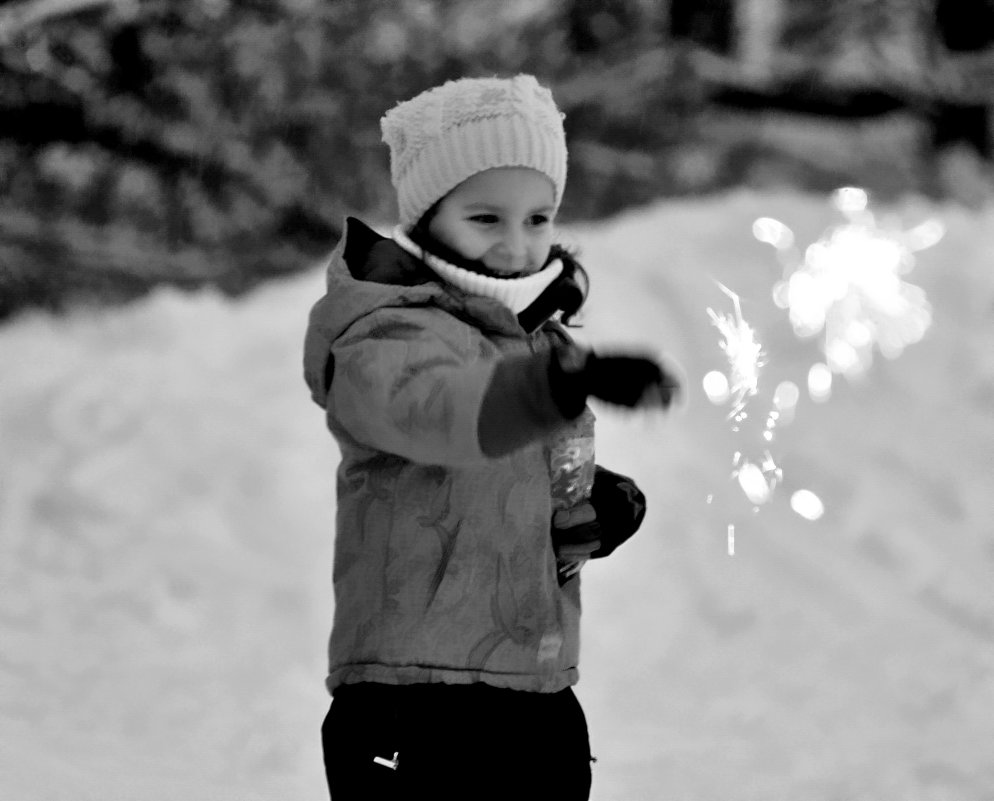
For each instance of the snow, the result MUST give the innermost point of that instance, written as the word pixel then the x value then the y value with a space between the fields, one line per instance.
pixel 167 500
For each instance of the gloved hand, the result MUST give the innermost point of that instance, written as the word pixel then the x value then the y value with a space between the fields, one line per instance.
pixel 623 380
pixel 620 508
pixel 592 530
pixel 575 536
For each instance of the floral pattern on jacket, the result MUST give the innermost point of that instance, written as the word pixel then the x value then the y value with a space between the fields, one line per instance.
pixel 444 568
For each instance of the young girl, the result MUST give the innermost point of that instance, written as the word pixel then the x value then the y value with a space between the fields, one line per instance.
pixel 467 493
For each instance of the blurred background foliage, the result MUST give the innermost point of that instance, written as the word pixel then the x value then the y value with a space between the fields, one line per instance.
pixel 220 142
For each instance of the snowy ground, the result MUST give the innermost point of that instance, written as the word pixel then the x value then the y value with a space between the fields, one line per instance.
pixel 166 499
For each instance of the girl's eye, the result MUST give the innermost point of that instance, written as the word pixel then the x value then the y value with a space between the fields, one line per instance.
pixel 538 219
pixel 484 219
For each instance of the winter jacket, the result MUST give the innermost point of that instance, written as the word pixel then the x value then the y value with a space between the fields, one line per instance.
pixel 444 569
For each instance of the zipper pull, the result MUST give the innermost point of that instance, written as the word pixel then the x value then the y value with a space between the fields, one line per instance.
pixel 393 764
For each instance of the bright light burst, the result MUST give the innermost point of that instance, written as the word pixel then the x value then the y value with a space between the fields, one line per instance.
pixel 848 287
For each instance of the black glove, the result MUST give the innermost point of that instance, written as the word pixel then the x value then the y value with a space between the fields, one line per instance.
pixel 632 381
pixel 620 508
pixel 618 511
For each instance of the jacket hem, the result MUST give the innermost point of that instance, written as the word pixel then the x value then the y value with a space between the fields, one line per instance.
pixel 358 673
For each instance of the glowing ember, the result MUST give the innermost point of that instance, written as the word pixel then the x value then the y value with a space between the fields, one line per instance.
pixel 754 483
pixel 757 481
pixel 807 504
pixel 773 232
pixel 716 387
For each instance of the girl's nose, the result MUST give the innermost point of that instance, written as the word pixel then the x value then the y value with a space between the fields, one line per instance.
pixel 512 251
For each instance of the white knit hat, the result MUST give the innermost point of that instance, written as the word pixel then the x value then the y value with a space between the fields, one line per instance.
pixel 445 135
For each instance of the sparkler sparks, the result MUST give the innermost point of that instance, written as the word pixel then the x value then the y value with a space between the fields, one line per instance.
pixel 848 290
pixel 848 287
pixel 744 354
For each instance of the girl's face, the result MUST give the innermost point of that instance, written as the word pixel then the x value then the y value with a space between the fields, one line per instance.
pixel 501 217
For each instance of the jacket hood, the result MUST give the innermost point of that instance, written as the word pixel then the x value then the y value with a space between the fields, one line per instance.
pixel 366 272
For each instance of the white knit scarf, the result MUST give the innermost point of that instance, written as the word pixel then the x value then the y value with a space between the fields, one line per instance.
pixel 515 293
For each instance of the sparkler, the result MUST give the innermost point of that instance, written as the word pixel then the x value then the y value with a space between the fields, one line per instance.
pixel 848 290
pixel 745 356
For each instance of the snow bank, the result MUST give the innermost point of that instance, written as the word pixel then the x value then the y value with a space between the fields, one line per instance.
pixel 167 497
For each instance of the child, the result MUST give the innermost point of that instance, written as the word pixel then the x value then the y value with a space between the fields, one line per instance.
pixel 459 407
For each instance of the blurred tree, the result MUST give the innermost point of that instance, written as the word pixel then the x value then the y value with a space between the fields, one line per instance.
pixel 709 23
pixel 142 143
pixel 964 28
pixel 212 141
pixel 19 14
pixel 221 142
pixel 600 26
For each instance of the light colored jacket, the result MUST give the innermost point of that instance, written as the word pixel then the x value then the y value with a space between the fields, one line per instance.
pixel 439 401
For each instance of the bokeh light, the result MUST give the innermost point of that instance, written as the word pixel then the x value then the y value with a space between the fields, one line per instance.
pixel 753 483
pixel 716 387
pixel 807 504
pixel 820 382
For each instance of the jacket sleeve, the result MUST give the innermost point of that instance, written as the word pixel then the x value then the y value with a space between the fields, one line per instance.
pixel 406 385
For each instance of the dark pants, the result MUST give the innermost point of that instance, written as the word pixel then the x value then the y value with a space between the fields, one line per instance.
pixel 455 742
